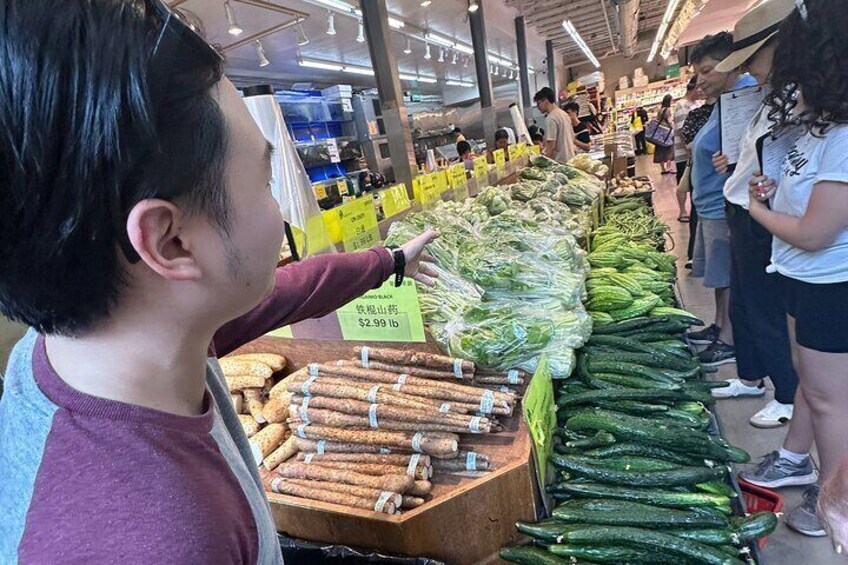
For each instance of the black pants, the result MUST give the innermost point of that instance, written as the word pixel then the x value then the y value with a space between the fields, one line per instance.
pixel 760 331
pixel 641 147
pixel 693 229
pixel 681 170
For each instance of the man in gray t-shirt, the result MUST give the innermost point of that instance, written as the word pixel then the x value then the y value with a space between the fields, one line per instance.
pixel 559 135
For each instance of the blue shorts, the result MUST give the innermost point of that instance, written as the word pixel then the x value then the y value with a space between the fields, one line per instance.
pixel 711 256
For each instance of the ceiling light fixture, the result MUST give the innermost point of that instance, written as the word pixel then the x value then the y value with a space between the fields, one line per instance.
pixel 312 64
pixel 669 13
pixel 427 54
pixel 428 80
pixel 358 70
pixel 234 28
pixel 416 78
pixel 301 36
pixel 408 49
pixel 453 59
pixel 396 23
pixel 331 23
pixel 462 48
pixel 497 71
pixel 260 54
pixel 360 38
pixel 473 6
pixel 464 83
pixel 572 31
pixel 441 54
pixel 465 63
pixel 426 3
pixel 438 39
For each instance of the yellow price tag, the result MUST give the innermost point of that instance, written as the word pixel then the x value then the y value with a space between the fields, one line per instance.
pixel 459 181
pixel 535 149
pixel 481 167
pixel 441 181
pixel 333 225
pixel 320 191
pixel 384 314
pixel 500 158
pixel 522 149
pixel 427 194
pixel 358 220
pixel 395 200
pixel 342 186
pixel 512 152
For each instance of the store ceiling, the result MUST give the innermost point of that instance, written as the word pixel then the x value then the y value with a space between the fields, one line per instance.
pixel 717 15
pixel 445 17
pixel 595 21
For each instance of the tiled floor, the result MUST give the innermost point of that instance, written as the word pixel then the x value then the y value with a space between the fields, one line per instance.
pixel 784 547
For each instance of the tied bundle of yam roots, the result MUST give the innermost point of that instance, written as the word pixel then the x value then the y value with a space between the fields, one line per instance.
pixel 370 433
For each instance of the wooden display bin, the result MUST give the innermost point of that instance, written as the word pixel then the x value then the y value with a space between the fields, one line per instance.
pixel 465 521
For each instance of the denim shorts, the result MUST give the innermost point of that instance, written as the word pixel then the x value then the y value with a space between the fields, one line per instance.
pixel 711 256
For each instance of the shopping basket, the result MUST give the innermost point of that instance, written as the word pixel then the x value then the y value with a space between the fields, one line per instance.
pixel 759 499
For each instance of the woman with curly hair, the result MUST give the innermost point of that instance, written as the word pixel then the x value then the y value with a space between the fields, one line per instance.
pixel 806 210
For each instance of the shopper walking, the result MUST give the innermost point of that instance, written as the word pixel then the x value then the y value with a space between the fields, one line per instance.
pixel 806 210
pixel 711 259
pixel 681 151
pixel 664 155
pixel 759 328
pixel 559 136
pixel 142 241
pixel 638 121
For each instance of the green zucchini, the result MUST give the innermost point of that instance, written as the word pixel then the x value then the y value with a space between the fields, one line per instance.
pixel 527 555
pixel 673 477
pixel 644 495
pixel 625 513
pixel 658 541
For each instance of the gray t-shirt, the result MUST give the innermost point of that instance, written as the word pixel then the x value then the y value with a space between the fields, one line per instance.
pixel 558 129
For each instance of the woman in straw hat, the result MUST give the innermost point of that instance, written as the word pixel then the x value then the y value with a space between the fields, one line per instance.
pixel 806 210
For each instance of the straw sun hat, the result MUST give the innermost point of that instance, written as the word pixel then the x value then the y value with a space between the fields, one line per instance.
pixel 754 29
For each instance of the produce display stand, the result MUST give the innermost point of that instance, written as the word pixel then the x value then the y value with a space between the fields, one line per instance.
pixel 467 520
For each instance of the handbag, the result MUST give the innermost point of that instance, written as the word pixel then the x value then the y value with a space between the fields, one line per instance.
pixel 659 134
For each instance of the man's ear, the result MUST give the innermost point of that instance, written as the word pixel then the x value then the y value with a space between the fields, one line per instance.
pixel 154 227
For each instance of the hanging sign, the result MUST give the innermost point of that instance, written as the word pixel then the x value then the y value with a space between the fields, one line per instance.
pixel 395 200
pixel 358 220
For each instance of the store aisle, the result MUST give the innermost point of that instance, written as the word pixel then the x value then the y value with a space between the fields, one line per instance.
pixel 784 546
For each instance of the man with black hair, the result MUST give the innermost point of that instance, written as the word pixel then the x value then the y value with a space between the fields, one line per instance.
pixel 140 242
pixel 582 137
pixel 559 137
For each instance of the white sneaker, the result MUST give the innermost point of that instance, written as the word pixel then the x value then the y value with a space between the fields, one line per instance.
pixel 737 388
pixel 773 415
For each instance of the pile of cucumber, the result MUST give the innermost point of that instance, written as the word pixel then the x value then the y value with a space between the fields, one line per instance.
pixel 640 479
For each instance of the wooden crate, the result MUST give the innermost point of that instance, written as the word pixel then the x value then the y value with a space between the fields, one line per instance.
pixel 466 521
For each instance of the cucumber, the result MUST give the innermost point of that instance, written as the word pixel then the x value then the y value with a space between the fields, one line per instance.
pixel 591 397
pixel 673 477
pixel 677 314
pixel 655 359
pixel 547 530
pixel 598 440
pixel 634 463
pixel 526 555
pixel 756 526
pixel 599 364
pixel 651 433
pixel 629 382
pixel 629 325
pixel 612 555
pixel 708 536
pixel 655 497
pixel 720 488
pixel 654 337
pixel 620 449
pixel 625 513
pixel 698 422
pixel 660 542
pixel 632 407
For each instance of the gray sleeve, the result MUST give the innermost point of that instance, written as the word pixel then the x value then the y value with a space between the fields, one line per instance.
pixel 551 128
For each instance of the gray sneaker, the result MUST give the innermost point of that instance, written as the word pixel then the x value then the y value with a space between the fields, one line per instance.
pixel 805 519
pixel 774 472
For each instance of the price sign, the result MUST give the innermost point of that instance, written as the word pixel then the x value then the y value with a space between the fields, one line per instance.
pixel 481 168
pixel 500 158
pixel 333 150
pixel 395 200
pixel 342 186
pixel 320 191
pixel 358 220
pixel 427 195
pixel 513 152
pixel 535 149
pixel 540 415
pixel 333 224
pixel 459 181
pixel 384 314
pixel 440 179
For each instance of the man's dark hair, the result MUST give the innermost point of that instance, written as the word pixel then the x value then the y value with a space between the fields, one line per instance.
pixel 545 94
pixel 97 115
pixel 537 137
pixel 692 84
pixel 463 147
pixel 571 106
pixel 457 130
pixel 716 47
pixel 501 134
